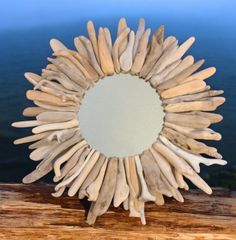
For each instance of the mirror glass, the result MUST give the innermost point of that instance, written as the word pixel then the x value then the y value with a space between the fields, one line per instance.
pixel 121 115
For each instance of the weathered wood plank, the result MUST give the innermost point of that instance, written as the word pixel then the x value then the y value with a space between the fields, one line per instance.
pixel 30 212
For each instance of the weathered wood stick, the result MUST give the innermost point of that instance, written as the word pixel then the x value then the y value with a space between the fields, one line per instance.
pixel 160 63
pixel 94 188
pixel 122 188
pixel 201 75
pixel 164 166
pixel 73 175
pixel 92 57
pixel 177 79
pixel 65 157
pixel 56 108
pixel 33 111
pixel 208 104
pixel 48 98
pixel 106 192
pixel 108 38
pixel 81 48
pixel 91 176
pixel 93 39
pixel 192 97
pixel 213 117
pixel 187 120
pixel 62 135
pixel 32 78
pixel 56 126
pixel 145 195
pixel 141 53
pixel 126 58
pixel 122 25
pixel 178 163
pixel 83 174
pixel 115 49
pixel 72 162
pixel 207 133
pixel 56 116
pixel 32 138
pixel 189 144
pixel 24 124
pixel 104 54
pixel 156 79
pixel 183 89
pixel 57 45
pixel 154 53
pixel 41 152
pixel 140 31
pixel 193 160
pixel 185 63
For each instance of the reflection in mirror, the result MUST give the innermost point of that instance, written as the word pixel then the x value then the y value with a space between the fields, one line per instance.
pixel 121 115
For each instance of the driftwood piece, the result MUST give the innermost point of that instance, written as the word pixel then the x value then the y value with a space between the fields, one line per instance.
pixel 122 25
pixel 138 35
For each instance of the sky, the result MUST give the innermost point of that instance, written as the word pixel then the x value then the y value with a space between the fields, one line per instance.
pixel 32 13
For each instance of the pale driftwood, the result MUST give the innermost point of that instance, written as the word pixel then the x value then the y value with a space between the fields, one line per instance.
pixel 126 58
pixel 207 133
pixel 33 111
pixel 115 49
pixel 94 188
pixel 106 192
pixel 32 138
pixel 71 163
pixel 56 116
pixel 192 159
pixel 145 195
pixel 156 79
pixel 164 166
pixel 56 126
pixel 178 163
pixel 187 120
pixel 41 152
pixel 32 78
pixel 92 56
pixel 154 53
pixel 108 38
pixel 177 79
pixel 208 104
pixel 161 62
pixel 213 117
pixel 185 63
pixel 122 25
pixel 24 124
pixel 141 53
pixel 93 39
pixel 75 186
pixel 190 87
pixel 81 48
pixel 192 97
pixel 138 35
pixel 91 176
pixel 57 45
pixel 189 144
pixel 62 135
pixel 202 75
pixel 56 108
pixel 65 157
pixel 104 54
pixel 122 188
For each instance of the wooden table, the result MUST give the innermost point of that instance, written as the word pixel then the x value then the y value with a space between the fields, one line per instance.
pixel 30 212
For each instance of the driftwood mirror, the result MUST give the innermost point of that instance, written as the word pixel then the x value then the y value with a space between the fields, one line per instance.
pixel 121 121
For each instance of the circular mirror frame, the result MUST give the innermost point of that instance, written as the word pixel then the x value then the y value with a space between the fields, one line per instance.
pixel 158 171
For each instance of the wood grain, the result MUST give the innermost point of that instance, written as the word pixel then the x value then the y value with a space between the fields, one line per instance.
pixel 30 212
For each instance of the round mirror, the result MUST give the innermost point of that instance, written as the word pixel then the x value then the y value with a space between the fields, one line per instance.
pixel 121 115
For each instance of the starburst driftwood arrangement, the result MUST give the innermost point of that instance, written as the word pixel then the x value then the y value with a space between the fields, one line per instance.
pixel 131 181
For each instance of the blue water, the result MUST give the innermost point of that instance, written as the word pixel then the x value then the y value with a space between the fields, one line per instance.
pixel 26 49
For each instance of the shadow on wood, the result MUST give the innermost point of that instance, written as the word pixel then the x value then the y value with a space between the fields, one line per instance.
pixel 30 212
